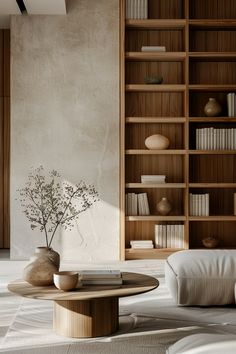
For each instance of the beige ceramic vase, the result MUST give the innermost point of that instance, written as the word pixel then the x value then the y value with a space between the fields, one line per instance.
pixel 44 263
pixel 157 142
pixel 164 206
pixel 212 108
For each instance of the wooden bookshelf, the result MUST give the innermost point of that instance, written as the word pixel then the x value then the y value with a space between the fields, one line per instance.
pixel 199 63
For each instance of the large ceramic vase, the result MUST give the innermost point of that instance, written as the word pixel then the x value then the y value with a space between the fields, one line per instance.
pixel 164 206
pixel 43 264
pixel 212 108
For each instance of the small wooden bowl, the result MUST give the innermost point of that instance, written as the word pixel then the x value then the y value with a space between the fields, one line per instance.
pixel 65 280
pixel 210 242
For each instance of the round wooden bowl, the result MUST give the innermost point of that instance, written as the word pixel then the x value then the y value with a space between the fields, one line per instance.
pixel 210 242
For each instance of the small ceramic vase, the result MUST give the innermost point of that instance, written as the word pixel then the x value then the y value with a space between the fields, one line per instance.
pixel 157 142
pixel 212 108
pixel 164 206
pixel 43 264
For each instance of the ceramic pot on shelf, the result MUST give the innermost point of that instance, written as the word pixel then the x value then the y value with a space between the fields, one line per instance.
pixel 164 206
pixel 157 142
pixel 212 108
pixel 43 264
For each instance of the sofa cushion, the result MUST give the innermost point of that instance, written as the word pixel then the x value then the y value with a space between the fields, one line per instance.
pixel 202 277
pixel 204 343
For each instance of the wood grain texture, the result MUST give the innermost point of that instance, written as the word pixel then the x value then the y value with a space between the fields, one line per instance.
pixel 133 284
pixel 213 9
pixel 86 319
pixel 1 172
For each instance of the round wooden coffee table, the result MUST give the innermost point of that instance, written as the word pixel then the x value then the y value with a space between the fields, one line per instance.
pixel 89 311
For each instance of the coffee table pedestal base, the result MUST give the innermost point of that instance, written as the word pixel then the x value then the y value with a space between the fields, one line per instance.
pixel 86 318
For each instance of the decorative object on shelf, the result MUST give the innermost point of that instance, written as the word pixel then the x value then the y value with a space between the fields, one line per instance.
pixel 153 80
pixel 210 242
pixel 50 203
pixel 66 280
pixel 44 262
pixel 164 206
pixel 212 108
pixel 136 9
pixel 157 142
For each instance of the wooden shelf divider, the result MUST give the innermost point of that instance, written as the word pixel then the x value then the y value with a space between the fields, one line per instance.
pixel 156 24
pixel 162 120
pixel 155 56
pixel 155 88
pixel 155 185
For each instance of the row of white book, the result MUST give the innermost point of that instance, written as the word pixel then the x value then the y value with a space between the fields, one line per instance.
pixel 231 104
pixel 153 178
pixel 169 236
pixel 199 204
pixel 136 204
pixel 216 139
pixel 136 9
pixel 153 48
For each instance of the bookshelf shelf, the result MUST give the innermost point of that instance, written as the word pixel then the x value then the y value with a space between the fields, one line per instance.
pixel 155 88
pixel 212 185
pixel 156 24
pixel 199 63
pixel 212 56
pixel 213 24
pixel 156 185
pixel 212 119
pixel 155 218
pixel 212 88
pixel 213 218
pixel 212 152
pixel 131 253
pixel 156 120
pixel 154 152
pixel 155 56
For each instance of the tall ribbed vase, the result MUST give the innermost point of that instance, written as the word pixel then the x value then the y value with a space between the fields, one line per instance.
pixel 44 262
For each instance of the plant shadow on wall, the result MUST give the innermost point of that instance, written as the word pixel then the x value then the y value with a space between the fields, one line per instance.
pixel 50 204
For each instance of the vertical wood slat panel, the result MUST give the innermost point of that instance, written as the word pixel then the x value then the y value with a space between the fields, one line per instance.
pixel 1 173
pixel 6 63
pixel 1 63
pixel 6 177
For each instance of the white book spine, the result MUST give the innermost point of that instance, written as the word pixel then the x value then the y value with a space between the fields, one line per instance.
pixel 197 139
pixel 168 236
pixel 146 204
pixel 132 9
pixel 205 130
pixel 207 204
pixel 214 139
pixel 233 105
pixel 217 139
pixel 157 236
pixel 201 138
pixel 198 205
pixel 234 139
pixel 194 205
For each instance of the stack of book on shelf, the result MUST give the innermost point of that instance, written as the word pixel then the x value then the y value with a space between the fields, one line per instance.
pixel 199 204
pixel 101 277
pixel 153 178
pixel 136 204
pixel 137 9
pixel 216 139
pixel 153 48
pixel 169 236
pixel 231 104
pixel 141 244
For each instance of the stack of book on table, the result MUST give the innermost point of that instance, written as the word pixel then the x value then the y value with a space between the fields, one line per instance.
pixel 153 179
pixel 169 236
pixel 139 244
pixel 199 204
pixel 153 48
pixel 101 277
pixel 136 9
pixel 136 204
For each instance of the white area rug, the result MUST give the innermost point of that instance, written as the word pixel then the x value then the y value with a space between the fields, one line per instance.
pixel 149 323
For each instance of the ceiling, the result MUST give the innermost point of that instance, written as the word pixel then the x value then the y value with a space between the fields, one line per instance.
pixel 33 7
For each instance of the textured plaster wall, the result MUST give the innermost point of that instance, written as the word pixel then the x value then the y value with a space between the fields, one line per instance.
pixel 65 116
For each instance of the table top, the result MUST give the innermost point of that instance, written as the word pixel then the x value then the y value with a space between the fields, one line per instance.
pixel 133 284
